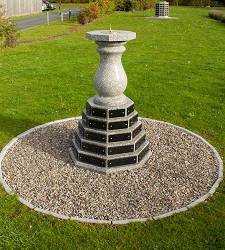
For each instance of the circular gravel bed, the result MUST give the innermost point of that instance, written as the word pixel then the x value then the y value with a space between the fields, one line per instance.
pixel 182 171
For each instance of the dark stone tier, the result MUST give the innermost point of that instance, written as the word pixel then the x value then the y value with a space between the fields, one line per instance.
pixel 110 138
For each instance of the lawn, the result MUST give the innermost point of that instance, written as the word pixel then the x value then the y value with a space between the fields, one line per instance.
pixel 176 72
pixel 49 32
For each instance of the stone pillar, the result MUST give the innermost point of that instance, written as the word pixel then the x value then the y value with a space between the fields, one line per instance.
pixel 110 136
pixel 110 79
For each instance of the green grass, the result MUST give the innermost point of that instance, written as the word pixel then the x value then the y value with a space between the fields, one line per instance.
pixel 48 32
pixel 176 72
pixel 25 16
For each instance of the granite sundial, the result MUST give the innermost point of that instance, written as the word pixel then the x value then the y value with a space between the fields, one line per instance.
pixel 110 136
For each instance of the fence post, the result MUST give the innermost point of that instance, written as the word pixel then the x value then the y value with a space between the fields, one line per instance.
pixel 62 17
pixel 47 18
pixel 70 14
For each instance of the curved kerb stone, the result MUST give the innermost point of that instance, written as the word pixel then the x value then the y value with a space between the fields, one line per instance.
pixel 9 190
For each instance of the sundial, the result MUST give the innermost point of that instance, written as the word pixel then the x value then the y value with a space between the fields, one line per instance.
pixel 110 137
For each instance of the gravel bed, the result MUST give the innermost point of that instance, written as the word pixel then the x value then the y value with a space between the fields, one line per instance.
pixel 39 169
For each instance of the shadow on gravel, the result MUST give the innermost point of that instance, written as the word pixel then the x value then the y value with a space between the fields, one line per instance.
pixel 53 141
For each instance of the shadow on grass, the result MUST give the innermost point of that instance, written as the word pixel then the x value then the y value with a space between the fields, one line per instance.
pixel 215 20
pixel 53 140
pixel 13 126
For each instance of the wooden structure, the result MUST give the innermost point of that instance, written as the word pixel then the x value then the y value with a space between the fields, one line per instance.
pixel 21 7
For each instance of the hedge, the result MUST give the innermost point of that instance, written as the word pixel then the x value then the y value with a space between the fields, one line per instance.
pixel 217 15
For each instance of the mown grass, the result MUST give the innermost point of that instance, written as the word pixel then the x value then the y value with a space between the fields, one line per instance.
pixel 48 32
pixel 176 73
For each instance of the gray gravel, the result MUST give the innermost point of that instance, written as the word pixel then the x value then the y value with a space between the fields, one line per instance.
pixel 181 169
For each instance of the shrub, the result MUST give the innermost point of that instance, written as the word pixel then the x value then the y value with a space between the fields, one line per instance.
pixel 106 6
pixel 143 4
pixel 128 5
pixel 223 18
pixel 8 32
pixel 89 13
pixel 124 5
pixel 200 3
pixel 93 11
pixel 69 1
pixel 83 17
pixel 217 15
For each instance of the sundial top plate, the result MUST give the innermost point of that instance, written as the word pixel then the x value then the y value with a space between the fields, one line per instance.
pixel 111 35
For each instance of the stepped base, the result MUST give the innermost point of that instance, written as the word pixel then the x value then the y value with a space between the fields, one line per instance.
pixel 109 138
pixel 108 170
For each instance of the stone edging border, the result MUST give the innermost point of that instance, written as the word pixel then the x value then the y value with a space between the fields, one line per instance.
pixel 117 222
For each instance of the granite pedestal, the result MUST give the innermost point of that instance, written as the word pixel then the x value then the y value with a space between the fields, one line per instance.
pixel 110 136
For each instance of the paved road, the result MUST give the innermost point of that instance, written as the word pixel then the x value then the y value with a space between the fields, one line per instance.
pixel 33 21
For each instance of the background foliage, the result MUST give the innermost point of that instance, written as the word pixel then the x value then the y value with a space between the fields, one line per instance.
pixel 172 2
pixel 217 15
pixel 8 33
pixel 198 3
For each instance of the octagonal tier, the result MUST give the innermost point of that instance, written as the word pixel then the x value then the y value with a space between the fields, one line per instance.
pixel 110 139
